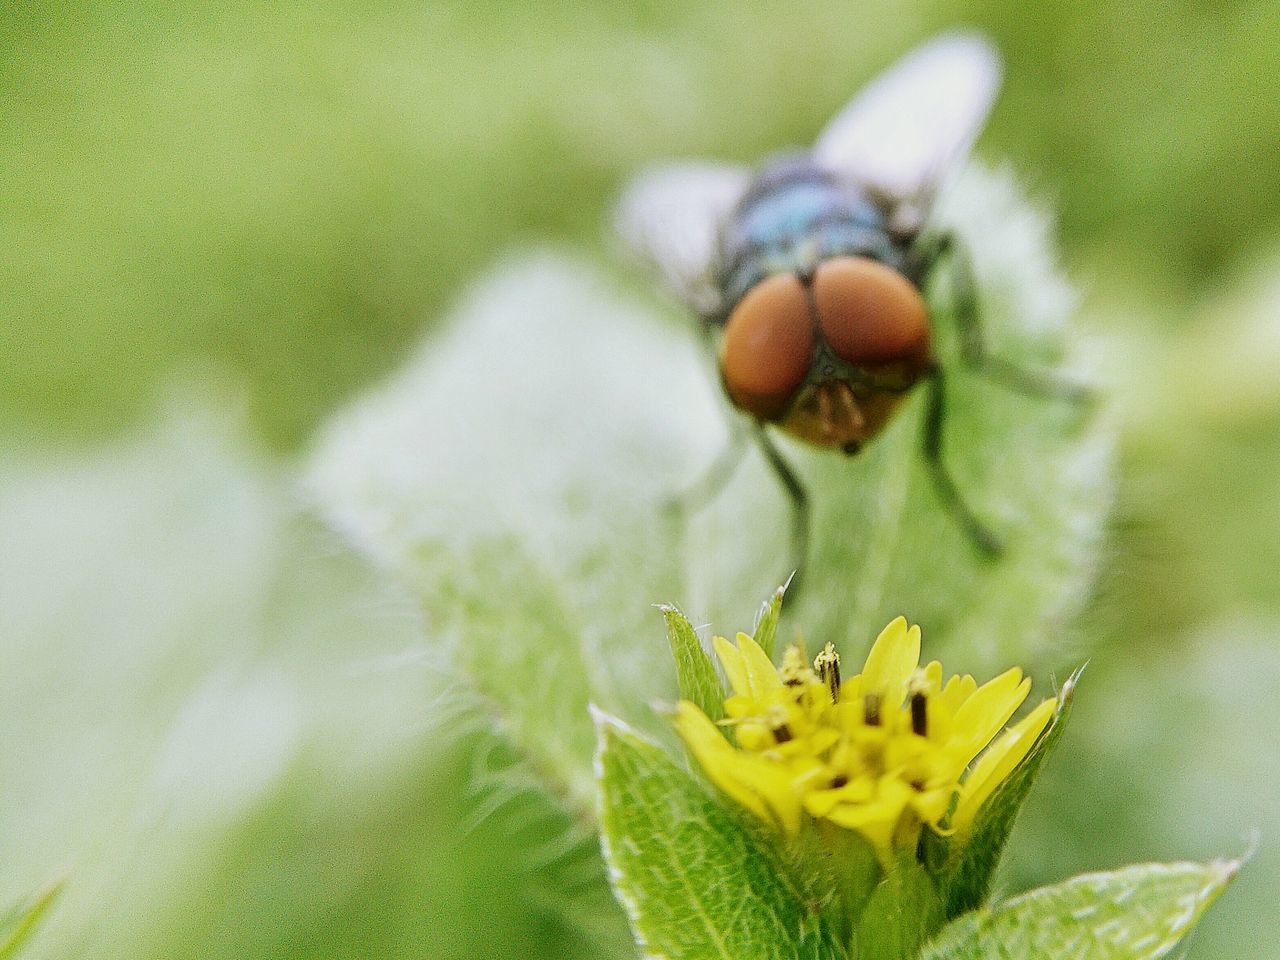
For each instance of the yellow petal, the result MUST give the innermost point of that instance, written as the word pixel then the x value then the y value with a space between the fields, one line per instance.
pixel 809 775
pixel 998 762
pixel 762 675
pixel 735 667
pixel 956 691
pixel 715 756
pixel 876 820
pixel 752 736
pixel 819 803
pixel 761 786
pixel 774 782
pixel 932 805
pixel 902 750
pixel 892 660
pixel 932 677
pixel 982 715
pixel 851 692
pixel 822 740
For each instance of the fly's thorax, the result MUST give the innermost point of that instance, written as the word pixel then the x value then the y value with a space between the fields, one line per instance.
pixel 794 216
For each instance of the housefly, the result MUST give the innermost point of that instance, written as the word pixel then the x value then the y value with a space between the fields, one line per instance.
pixel 810 271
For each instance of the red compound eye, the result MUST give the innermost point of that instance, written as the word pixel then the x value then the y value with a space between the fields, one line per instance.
pixel 870 314
pixel 767 345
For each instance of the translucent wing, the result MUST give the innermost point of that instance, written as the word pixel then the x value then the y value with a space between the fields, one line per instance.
pixel 916 122
pixel 671 215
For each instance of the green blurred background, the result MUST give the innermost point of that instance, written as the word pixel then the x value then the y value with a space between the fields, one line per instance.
pixel 221 221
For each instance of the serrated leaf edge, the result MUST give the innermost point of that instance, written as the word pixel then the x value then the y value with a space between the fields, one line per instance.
pixel 696 673
pixel 604 724
pixel 1219 873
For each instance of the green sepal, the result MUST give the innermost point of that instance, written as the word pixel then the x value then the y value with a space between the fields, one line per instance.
pixel 965 868
pixel 842 866
pixel 902 913
pixel 17 923
pixel 1137 913
pixel 695 673
pixel 766 635
pixel 696 881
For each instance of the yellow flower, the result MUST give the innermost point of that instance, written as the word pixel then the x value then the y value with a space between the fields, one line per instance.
pixel 885 753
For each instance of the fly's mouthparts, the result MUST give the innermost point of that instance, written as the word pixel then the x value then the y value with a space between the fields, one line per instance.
pixel 827 413
pixel 838 411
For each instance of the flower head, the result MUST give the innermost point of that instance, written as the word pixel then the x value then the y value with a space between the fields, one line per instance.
pixel 886 752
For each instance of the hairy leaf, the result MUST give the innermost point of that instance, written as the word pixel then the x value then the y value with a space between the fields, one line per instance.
pixel 766 632
pixel 260 718
pixel 695 673
pixel 1138 913
pixel 518 475
pixel 695 883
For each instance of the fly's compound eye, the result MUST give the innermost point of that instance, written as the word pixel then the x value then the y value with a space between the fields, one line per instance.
pixel 767 346
pixel 870 314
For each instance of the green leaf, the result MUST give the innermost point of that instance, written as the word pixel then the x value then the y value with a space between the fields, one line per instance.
pixel 509 628
pixel 529 522
pixel 966 881
pixel 695 672
pixel 766 634
pixel 842 865
pixel 521 462
pixel 244 709
pixel 695 882
pixel 1138 913
pixel 901 914
pixel 17 923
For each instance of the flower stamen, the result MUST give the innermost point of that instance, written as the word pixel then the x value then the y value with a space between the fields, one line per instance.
pixel 920 714
pixel 871 709
pixel 827 666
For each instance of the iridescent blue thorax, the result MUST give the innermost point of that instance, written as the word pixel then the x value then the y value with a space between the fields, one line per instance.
pixel 794 216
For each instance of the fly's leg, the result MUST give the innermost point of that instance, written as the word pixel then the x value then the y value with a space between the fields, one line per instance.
pixel 973 345
pixel 799 502
pixel 714 479
pixel 717 476
pixel 983 539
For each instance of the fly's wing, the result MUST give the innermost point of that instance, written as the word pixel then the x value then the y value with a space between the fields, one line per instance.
pixel 915 123
pixel 671 216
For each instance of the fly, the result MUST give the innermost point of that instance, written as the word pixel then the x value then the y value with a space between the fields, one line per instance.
pixel 811 270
